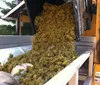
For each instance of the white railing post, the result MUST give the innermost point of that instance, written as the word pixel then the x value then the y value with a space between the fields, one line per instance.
pixel 74 79
pixel 90 70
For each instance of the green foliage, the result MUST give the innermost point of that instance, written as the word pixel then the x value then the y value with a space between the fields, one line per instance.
pixel 53 45
pixel 26 29
pixel 7 30
pixel 9 4
pixel 11 56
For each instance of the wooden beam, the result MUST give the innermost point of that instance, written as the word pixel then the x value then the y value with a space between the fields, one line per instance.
pixel 13 10
pixel 97 51
pixel 20 26
pixel 17 26
pixel 25 18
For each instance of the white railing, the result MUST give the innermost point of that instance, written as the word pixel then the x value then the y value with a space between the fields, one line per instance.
pixel 70 73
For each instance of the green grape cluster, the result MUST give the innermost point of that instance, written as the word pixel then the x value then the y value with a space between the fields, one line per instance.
pixel 52 45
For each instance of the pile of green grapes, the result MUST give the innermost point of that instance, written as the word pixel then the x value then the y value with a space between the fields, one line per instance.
pixel 52 46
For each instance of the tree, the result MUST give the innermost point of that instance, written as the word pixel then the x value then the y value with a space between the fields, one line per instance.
pixel 10 5
pixel 10 30
pixel 7 29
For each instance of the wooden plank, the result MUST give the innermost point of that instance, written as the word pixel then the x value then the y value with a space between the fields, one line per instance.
pixel 97 51
pixel 25 18
pixel 74 79
pixel 63 77
pixel 88 81
pixel 18 23
pixel 20 26
pixel 90 71
pixel 14 41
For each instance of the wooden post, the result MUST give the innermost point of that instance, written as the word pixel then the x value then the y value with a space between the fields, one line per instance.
pixel 16 25
pixel 90 70
pixel 20 26
pixel 74 80
pixel 97 51
pixel 17 21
